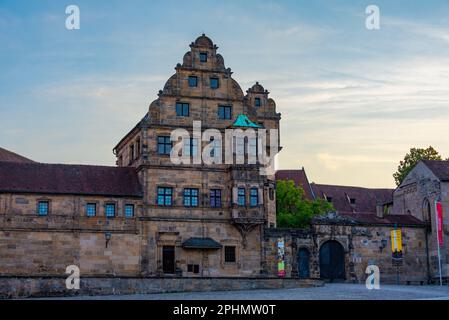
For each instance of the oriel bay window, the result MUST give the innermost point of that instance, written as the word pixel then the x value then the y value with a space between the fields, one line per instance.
pixel 254 197
pixel 191 197
pixel 241 195
pixel 215 198
pixel 163 145
pixel 164 196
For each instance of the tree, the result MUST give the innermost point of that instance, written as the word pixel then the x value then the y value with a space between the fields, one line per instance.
pixel 293 210
pixel 411 159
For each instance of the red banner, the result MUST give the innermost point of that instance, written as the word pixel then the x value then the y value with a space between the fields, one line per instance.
pixel 439 214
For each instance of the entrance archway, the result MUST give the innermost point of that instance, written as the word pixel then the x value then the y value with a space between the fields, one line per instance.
pixel 303 263
pixel 332 261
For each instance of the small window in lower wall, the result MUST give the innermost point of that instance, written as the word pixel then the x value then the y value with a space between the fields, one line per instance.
pixel 129 210
pixel 91 209
pixel 43 208
pixel 229 253
pixel 193 268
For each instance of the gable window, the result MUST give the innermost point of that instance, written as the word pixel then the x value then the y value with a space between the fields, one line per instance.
pixel 215 198
pixel 241 197
pixel 257 102
pixel 91 209
pixel 203 56
pixel 190 147
pixel 225 112
pixel 129 210
pixel 230 254
pixel 43 208
pixel 110 210
pixel 138 148
pixel 214 83
pixel 191 197
pixel 182 109
pixel 329 199
pixel 131 153
pixel 193 81
pixel 254 197
pixel 163 145
pixel 164 196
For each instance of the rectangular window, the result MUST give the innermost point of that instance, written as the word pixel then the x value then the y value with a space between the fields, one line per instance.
pixel 215 198
pixel 193 81
pixel 110 210
pixel 131 153
pixel 182 109
pixel 203 56
pixel 194 268
pixel 229 254
pixel 138 148
pixel 254 197
pixel 191 197
pixel 225 112
pixel 239 145
pixel 91 209
pixel 163 145
pixel 257 102
pixel 252 147
pixel 129 210
pixel 241 197
pixel 43 207
pixel 164 196
pixel 216 147
pixel 214 83
pixel 190 147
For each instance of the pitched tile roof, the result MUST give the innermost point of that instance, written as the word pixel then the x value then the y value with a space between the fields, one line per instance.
pixel 68 179
pixel 390 219
pixel 6 155
pixel 439 168
pixel 366 199
pixel 299 177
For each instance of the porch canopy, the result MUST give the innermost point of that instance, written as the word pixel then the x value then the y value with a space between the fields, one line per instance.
pixel 201 243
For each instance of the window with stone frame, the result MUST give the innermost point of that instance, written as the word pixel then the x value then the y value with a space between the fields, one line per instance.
pixel 257 102
pixel 224 112
pixel 182 109
pixel 191 197
pixel 203 56
pixel 215 198
pixel 164 145
pixel 214 83
pixel 193 81
pixel 190 147
pixel 129 210
pixel 43 207
pixel 254 197
pixel 164 196
pixel 241 197
pixel 110 210
pixel 91 209
pixel 229 254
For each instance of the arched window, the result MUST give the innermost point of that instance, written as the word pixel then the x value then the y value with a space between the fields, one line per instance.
pixel 427 211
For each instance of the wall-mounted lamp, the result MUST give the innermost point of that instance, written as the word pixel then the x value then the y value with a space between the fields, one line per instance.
pixel 107 236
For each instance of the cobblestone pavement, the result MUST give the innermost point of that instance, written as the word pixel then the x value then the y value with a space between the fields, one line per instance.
pixel 328 292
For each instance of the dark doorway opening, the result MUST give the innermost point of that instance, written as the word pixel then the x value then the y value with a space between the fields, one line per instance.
pixel 332 261
pixel 168 259
pixel 303 263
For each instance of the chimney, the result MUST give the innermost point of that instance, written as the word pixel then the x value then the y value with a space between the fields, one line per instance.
pixel 380 211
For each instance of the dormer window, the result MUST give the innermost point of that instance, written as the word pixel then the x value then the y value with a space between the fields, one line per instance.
pixel 352 200
pixel 257 102
pixel 203 56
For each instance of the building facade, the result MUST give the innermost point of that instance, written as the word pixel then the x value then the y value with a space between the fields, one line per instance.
pixel 150 216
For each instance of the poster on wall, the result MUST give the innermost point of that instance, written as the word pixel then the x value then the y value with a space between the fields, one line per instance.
pixel 439 213
pixel 280 257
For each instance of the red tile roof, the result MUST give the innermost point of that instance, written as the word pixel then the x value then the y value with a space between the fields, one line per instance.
pixel 366 199
pixel 6 155
pixel 68 179
pixel 390 219
pixel 299 177
pixel 439 168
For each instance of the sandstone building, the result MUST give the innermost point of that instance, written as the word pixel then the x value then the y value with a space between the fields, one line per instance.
pixel 149 216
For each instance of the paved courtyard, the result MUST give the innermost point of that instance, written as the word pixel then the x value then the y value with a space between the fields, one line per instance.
pixel 328 292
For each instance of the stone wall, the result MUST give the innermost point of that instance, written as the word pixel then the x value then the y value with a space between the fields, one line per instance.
pixel 19 287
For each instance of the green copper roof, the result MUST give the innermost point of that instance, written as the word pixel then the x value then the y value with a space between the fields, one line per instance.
pixel 243 121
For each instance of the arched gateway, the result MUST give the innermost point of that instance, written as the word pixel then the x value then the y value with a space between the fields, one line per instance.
pixel 332 261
